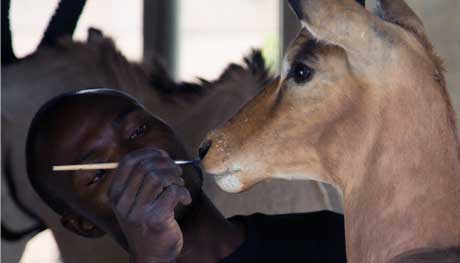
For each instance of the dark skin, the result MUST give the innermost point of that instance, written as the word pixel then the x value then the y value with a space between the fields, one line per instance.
pixel 150 206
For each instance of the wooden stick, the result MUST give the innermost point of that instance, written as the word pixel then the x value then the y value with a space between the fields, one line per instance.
pixel 106 166
pixel 95 166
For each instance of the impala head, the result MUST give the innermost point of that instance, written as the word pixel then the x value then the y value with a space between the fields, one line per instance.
pixel 346 75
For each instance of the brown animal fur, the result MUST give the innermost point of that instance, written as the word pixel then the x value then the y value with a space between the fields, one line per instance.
pixel 374 120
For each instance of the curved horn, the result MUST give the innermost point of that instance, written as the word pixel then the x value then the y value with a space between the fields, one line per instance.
pixel 63 22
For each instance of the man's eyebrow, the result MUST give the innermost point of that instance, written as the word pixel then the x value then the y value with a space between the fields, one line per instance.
pixel 120 117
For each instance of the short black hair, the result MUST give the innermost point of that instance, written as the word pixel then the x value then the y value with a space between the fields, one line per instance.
pixel 39 125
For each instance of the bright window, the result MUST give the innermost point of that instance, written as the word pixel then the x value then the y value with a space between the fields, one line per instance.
pixel 118 19
pixel 213 33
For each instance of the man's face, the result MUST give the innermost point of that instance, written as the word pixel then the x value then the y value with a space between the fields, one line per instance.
pixel 98 128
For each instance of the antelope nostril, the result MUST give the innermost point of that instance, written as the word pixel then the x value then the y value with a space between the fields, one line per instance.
pixel 204 148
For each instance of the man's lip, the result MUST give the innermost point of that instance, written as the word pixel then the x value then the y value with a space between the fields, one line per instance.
pixel 204 148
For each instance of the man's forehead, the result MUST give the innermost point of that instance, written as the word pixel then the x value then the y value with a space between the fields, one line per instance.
pixel 87 115
pixel 87 105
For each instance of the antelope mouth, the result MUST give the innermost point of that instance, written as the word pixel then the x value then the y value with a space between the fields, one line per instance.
pixel 228 181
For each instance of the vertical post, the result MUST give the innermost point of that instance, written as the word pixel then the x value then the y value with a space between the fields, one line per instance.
pixel 8 55
pixel 160 27
pixel 290 25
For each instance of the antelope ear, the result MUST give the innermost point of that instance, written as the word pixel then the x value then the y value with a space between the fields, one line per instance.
pixel 345 23
pixel 296 7
pixel 81 226
pixel 399 13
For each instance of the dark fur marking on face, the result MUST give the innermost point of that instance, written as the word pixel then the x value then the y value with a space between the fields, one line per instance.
pixel 306 52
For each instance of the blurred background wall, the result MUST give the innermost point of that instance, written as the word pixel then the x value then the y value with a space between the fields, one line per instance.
pixel 208 35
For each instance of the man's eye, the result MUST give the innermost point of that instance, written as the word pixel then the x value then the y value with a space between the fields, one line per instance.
pixel 301 73
pixel 139 131
pixel 98 176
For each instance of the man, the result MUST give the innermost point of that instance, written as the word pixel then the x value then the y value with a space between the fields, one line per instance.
pixel 153 208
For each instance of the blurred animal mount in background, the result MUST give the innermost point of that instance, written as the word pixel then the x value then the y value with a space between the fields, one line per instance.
pixel 60 65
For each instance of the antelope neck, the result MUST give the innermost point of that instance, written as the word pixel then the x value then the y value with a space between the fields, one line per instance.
pixel 405 197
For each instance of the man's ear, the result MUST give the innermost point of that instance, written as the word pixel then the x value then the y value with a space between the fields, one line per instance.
pixel 81 226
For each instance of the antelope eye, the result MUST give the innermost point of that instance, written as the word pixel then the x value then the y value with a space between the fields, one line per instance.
pixel 301 73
